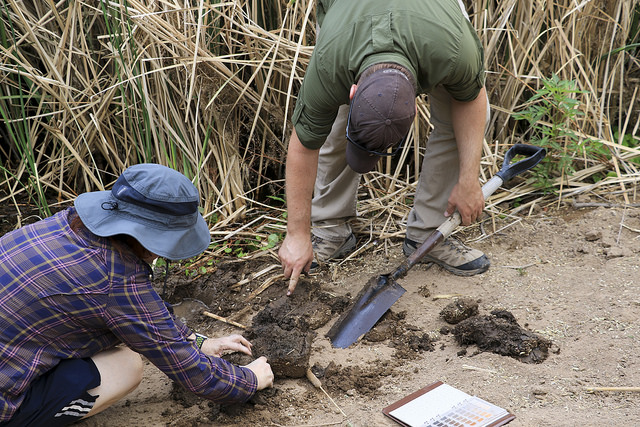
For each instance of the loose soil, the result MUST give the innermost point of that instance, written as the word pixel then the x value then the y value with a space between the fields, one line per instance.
pixel 555 315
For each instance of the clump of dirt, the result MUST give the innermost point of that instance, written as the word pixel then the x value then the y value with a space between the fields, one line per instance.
pixel 284 330
pixel 408 340
pixel 288 351
pixel 409 345
pixel 212 413
pixel 424 291
pixel 459 309
pixel 500 333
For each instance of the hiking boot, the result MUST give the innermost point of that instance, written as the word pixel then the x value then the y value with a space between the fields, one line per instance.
pixel 325 249
pixel 452 255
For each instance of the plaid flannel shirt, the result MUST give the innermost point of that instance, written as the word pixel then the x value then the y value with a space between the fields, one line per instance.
pixel 67 295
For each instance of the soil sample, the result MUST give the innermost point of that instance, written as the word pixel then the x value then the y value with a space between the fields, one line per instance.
pixel 500 333
pixel 287 351
pixel 284 330
pixel 459 309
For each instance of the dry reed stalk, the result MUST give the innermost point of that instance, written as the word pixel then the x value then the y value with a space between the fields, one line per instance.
pixel 223 319
pixel 620 389
pixel 208 88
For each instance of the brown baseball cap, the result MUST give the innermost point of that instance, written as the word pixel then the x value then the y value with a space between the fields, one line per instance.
pixel 380 116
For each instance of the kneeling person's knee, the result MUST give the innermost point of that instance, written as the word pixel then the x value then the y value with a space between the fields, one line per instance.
pixel 120 373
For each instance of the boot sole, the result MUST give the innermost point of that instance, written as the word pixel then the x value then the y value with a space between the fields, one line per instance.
pixel 456 271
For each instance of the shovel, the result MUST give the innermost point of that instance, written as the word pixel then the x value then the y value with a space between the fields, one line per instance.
pixel 379 294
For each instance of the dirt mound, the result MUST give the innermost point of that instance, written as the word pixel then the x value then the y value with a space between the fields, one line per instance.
pixel 284 330
pixel 458 310
pixel 500 333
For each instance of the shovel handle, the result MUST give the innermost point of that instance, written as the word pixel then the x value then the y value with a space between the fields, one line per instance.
pixel 508 171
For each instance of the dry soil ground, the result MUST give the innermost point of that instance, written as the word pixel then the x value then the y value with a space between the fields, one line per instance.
pixel 569 276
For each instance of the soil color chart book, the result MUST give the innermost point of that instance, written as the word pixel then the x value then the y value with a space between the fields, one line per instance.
pixel 440 405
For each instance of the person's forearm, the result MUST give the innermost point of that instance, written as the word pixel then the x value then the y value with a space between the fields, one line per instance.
pixel 302 165
pixel 468 125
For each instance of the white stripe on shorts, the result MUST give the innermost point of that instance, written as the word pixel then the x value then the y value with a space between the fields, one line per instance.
pixel 76 408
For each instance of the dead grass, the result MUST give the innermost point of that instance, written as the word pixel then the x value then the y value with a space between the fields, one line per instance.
pixel 89 88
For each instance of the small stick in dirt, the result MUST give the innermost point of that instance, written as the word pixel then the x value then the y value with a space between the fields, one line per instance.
pixel 621 225
pixel 519 267
pixel 474 368
pixel 578 205
pixel 223 319
pixel 264 286
pixel 592 389
pixel 446 296
pixel 310 425
pixel 317 384
pixel 253 276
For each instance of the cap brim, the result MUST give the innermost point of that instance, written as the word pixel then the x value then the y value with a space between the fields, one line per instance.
pixel 359 160
pixel 171 243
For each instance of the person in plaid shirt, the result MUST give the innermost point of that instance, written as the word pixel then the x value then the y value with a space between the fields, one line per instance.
pixel 77 285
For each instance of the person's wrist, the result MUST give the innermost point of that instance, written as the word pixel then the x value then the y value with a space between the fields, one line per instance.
pixel 199 339
pixel 468 178
pixel 298 232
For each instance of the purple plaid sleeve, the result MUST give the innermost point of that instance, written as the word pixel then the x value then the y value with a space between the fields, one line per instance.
pixel 147 327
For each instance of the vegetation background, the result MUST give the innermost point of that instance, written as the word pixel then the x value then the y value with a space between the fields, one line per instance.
pixel 88 88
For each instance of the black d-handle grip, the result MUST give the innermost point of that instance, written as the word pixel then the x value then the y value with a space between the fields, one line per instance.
pixel 535 155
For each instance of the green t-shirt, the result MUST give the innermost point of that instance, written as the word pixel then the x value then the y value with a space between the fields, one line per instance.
pixel 431 38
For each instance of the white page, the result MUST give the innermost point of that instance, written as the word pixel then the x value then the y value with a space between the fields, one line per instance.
pixel 429 405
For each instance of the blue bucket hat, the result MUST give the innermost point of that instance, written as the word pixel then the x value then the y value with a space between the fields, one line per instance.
pixel 154 204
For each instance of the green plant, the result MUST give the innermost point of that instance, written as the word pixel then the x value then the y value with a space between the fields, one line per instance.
pixel 551 112
pixel 277 199
pixel 628 141
pixel 272 240
pixel 17 94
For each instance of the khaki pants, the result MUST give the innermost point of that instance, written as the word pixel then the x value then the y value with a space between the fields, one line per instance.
pixel 334 200
pixel 335 192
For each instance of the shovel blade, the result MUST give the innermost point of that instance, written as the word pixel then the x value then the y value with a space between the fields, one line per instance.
pixel 371 303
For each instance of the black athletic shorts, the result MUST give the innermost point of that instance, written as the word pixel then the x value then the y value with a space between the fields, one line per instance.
pixel 59 397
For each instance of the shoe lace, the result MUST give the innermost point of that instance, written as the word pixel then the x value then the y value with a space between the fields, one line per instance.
pixel 315 240
pixel 457 245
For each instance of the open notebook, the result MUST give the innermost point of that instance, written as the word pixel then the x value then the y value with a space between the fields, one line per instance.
pixel 440 405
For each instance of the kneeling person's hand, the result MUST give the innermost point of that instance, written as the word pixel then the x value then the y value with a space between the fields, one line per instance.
pixel 263 372
pixel 218 346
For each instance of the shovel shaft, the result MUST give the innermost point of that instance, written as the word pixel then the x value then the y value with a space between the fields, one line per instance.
pixel 431 242
pixel 441 233
pixel 491 186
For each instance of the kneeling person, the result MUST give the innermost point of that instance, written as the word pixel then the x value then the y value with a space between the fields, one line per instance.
pixel 76 285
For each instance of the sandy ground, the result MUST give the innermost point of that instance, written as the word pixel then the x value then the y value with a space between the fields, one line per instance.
pixel 570 276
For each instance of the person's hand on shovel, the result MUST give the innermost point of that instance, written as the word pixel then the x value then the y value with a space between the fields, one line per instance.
pixel 466 197
pixel 296 255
